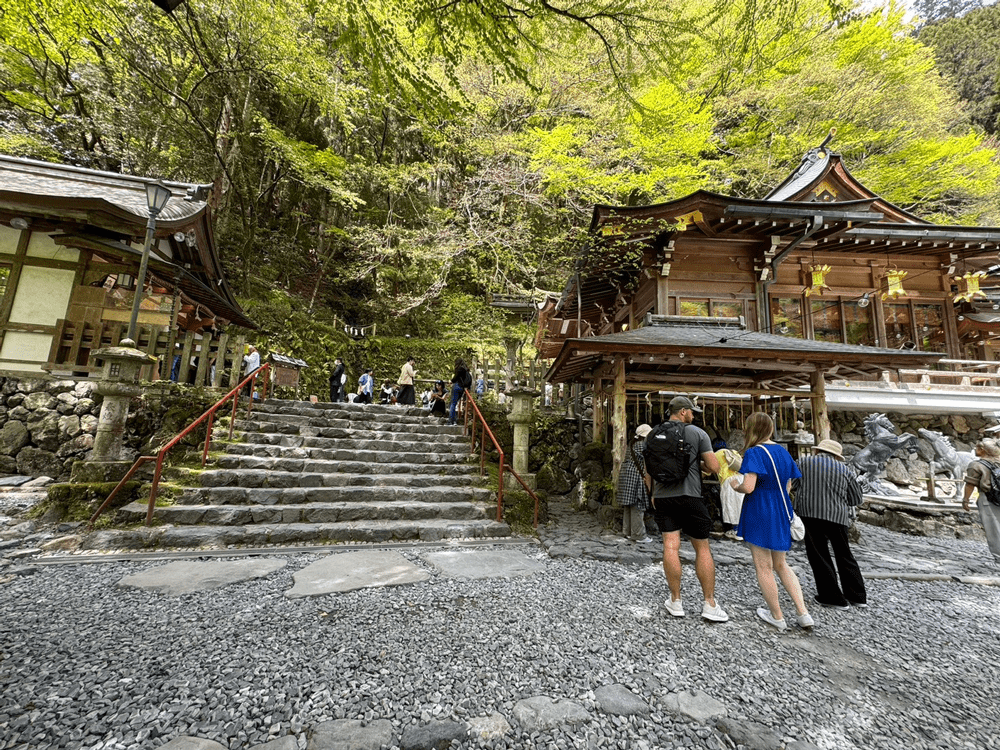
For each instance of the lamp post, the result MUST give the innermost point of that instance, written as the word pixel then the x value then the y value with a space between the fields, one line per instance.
pixel 157 196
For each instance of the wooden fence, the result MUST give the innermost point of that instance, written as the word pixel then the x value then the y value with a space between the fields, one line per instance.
pixel 198 359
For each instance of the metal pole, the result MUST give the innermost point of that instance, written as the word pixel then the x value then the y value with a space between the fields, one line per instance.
pixel 140 282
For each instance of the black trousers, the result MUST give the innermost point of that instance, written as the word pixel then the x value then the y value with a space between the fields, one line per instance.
pixel 820 537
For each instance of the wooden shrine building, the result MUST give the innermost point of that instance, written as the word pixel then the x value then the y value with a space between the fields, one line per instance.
pixel 821 281
pixel 71 242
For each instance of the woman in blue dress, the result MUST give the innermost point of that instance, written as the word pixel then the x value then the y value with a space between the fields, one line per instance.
pixel 765 522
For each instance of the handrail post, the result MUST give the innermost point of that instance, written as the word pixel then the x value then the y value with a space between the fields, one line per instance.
pixel 500 492
pixel 208 438
pixel 155 486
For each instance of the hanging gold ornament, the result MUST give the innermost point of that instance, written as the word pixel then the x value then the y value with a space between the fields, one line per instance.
pixel 818 279
pixel 892 284
pixel 971 283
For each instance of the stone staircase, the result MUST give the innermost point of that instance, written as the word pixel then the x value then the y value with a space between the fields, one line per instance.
pixel 325 473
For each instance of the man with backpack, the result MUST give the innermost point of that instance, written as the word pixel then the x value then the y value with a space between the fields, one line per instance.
pixel 674 453
pixel 984 474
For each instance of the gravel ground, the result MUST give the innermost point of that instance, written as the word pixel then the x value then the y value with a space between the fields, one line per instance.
pixel 85 664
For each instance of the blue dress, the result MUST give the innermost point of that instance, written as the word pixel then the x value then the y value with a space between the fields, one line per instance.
pixel 764 520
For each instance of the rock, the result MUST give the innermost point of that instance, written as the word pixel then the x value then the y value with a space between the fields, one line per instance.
pixel 19 414
pixel 39 401
pixel 69 543
pixel 753 736
pixel 590 471
pixel 801 745
pixel 897 473
pixel 192 743
pixel 437 735
pixel 282 743
pixel 69 427
pixel 45 432
pixel 620 701
pixel 83 406
pixel 13 437
pixel 8 465
pixel 541 712
pixel 55 387
pixel 485 728
pixel 35 461
pixel 695 705
pixel 553 479
pixel 76 447
pixel 342 734
pixel 960 423
pixel 88 423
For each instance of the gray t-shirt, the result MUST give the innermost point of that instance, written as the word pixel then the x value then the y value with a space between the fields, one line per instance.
pixel 691 486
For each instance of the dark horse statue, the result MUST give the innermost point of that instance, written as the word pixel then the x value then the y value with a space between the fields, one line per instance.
pixel 870 461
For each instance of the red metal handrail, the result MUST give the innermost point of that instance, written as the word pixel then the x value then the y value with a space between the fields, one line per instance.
pixel 161 454
pixel 486 431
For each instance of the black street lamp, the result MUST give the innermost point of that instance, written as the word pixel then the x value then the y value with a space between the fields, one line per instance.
pixel 157 196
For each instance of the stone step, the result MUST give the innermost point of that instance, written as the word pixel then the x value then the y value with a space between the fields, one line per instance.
pixel 309 465
pixel 343 410
pixel 293 533
pixel 337 427
pixel 442 435
pixel 310 513
pixel 424 457
pixel 288 477
pixel 293 495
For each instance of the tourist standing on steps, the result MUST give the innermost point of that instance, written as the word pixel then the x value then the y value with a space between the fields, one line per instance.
pixel 251 363
pixel 680 507
pixel 407 375
pixel 337 380
pixel 825 500
pixel 978 476
pixel 765 521
pixel 366 386
pixel 633 495
pixel 461 380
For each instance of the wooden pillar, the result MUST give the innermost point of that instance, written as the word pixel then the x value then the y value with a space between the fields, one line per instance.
pixel 821 418
pixel 619 430
pixel 662 295
pixel 598 408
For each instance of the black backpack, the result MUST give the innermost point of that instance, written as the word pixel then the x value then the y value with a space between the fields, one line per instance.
pixel 668 455
pixel 465 379
pixel 993 493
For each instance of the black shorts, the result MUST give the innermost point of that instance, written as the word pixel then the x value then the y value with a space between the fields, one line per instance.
pixel 687 514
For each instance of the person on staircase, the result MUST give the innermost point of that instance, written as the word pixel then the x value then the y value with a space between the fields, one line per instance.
pixel 979 476
pixel 366 386
pixel 461 380
pixel 407 375
pixel 251 363
pixel 439 400
pixel 337 379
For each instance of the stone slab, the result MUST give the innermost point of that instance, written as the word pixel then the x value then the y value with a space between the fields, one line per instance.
pixel 479 563
pixel 15 481
pixel 620 701
pixel 348 571
pixel 485 728
pixel 287 742
pixel 192 743
pixel 540 713
pixel 349 734
pixel 695 705
pixel 188 576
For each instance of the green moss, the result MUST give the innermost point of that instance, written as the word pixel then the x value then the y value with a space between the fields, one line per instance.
pixel 80 500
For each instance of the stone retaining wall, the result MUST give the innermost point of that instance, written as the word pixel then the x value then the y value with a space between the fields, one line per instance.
pixel 45 425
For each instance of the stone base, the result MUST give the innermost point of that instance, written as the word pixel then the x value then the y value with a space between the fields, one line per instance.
pixel 99 471
pixel 510 483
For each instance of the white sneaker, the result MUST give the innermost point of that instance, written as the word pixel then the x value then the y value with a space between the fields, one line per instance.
pixel 676 608
pixel 715 613
pixel 805 621
pixel 764 614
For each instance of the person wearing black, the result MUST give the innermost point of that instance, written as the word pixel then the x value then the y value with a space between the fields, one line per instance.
pixel 824 498
pixel 337 379
pixel 461 380
pixel 439 404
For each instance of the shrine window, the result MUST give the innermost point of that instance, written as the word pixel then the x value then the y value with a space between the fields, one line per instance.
pixel 695 308
pixel 898 324
pixel 859 326
pixel 929 320
pixel 715 308
pixel 786 316
pixel 826 320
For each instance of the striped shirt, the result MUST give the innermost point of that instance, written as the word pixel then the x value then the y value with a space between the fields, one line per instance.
pixel 826 489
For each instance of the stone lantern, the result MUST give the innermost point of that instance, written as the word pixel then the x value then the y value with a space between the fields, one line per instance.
pixel 520 416
pixel 118 384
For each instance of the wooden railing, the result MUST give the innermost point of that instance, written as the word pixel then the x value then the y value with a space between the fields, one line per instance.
pixel 75 341
pixel 474 417
pixel 209 416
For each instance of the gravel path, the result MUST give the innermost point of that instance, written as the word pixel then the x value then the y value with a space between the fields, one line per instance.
pixel 86 664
